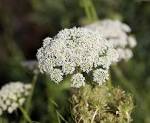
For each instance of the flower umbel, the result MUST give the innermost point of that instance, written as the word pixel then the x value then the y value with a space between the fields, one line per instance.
pixel 76 52
pixel 117 33
pixel 13 95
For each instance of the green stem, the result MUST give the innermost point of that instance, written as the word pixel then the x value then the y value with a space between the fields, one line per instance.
pixel 86 8
pixel 89 10
pixel 29 101
pixel 59 121
pixel 53 92
pixel 109 82
pixel 25 114
pixel 93 11
pixel 59 116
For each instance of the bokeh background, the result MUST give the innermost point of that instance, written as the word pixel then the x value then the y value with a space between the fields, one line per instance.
pixel 25 23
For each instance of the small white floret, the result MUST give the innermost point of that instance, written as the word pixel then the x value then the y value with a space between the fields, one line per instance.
pixel 78 80
pixel 100 76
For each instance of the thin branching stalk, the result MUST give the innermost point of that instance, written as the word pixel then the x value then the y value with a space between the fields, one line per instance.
pixel 60 117
pixel 29 101
pixel 25 115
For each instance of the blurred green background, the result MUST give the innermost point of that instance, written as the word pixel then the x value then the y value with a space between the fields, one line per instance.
pixel 24 23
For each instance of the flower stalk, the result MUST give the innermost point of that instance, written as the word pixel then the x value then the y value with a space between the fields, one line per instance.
pixel 89 10
pixel 29 100
pixel 25 114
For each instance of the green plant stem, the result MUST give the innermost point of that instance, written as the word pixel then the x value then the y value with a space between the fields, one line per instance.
pixel 93 11
pixel 53 92
pixel 25 115
pixel 59 121
pixel 29 101
pixel 109 82
pixel 86 9
pixel 59 116
pixel 89 10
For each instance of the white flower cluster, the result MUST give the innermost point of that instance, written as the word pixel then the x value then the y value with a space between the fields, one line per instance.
pixel 100 76
pixel 76 52
pixel 78 80
pixel 13 95
pixel 118 34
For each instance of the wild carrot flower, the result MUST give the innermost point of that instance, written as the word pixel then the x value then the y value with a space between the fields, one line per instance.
pixel 117 33
pixel 13 95
pixel 77 52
